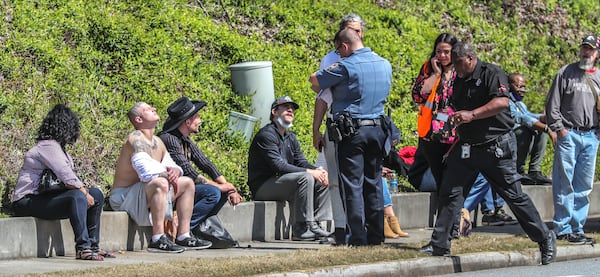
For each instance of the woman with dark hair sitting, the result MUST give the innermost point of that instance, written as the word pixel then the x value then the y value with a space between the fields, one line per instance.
pixel 82 206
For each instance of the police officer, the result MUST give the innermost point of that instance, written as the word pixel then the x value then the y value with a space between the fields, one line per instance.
pixel 360 84
pixel 486 145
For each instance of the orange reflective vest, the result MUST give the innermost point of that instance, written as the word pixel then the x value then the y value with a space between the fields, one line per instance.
pixel 426 109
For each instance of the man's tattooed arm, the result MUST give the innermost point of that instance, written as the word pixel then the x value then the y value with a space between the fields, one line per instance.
pixel 139 143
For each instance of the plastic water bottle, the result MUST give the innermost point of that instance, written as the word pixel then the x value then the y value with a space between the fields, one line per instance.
pixel 394 183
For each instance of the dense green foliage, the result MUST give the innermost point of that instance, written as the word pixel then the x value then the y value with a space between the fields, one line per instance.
pixel 101 57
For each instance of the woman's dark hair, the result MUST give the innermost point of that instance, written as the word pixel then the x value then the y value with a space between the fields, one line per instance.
pixel 443 37
pixel 60 124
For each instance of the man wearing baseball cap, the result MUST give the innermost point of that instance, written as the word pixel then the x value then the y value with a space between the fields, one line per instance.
pixel 278 171
pixel 572 113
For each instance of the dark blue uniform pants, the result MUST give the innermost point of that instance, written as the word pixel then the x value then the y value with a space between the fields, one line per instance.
pixel 360 162
pixel 499 168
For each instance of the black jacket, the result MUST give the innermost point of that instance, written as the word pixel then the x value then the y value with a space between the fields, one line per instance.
pixel 273 155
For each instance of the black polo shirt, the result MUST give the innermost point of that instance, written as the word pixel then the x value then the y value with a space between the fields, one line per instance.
pixel 486 82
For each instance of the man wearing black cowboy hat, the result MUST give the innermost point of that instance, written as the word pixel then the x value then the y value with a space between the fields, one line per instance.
pixel 211 193
pixel 278 171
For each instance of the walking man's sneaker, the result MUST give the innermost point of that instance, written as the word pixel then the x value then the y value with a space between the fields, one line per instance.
pixel 548 248
pixel 490 218
pixel 193 243
pixel 164 245
pixel 506 218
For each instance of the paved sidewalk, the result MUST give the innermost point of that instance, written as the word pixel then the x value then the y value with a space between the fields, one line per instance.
pixel 414 267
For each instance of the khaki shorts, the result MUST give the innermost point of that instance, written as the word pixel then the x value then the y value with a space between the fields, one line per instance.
pixel 132 199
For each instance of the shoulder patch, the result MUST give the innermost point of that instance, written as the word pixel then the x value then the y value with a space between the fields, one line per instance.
pixel 502 89
pixel 332 66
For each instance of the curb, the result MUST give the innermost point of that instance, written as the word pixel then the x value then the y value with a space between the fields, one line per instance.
pixel 448 265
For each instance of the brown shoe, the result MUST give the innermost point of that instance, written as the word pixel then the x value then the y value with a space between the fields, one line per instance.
pixel 387 230
pixel 395 226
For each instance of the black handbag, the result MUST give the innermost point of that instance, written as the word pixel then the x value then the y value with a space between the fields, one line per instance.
pixel 50 183
pixel 212 229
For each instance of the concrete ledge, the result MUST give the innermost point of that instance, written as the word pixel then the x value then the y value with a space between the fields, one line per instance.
pixel 19 239
pixel 413 209
pixel 259 221
pixel 33 237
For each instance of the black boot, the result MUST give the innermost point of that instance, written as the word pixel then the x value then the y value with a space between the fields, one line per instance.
pixel 340 236
pixel 548 248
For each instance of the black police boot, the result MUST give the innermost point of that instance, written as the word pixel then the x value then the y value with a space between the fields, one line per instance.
pixel 548 248
pixel 340 236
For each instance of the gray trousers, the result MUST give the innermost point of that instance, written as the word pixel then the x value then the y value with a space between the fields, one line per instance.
pixel 530 143
pixel 328 160
pixel 309 198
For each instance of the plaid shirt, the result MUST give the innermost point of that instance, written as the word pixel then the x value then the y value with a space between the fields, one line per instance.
pixel 185 152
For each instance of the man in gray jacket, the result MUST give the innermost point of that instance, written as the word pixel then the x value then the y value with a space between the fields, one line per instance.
pixel 572 114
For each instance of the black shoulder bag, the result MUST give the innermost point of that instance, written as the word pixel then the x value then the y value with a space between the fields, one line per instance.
pixel 49 183
pixel 212 229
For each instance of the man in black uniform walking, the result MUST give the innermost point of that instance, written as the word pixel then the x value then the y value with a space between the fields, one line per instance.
pixel 486 145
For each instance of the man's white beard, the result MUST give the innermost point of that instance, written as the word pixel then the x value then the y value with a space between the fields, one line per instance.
pixel 283 123
pixel 586 63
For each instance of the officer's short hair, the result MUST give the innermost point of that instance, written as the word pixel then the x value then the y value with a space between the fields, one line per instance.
pixel 351 18
pixel 347 35
pixel 461 49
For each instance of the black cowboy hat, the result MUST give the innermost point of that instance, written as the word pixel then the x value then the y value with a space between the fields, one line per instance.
pixel 181 110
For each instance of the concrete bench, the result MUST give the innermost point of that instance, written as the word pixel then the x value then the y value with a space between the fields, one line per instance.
pixel 259 220
pixel 33 237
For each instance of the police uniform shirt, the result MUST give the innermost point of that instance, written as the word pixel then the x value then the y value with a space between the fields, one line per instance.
pixel 487 82
pixel 360 84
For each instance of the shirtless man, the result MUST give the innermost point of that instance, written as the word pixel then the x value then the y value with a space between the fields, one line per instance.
pixel 146 177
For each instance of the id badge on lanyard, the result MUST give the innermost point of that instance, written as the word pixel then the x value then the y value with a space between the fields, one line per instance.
pixel 466 151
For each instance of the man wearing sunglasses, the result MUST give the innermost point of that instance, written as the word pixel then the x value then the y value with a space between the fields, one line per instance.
pixel 531 132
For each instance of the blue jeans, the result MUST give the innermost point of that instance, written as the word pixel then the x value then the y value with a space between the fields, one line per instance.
pixel 479 192
pixel 208 201
pixel 71 204
pixel 482 192
pixel 572 180
pixel 387 197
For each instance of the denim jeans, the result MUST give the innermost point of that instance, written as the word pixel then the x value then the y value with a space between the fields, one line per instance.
pixel 480 192
pixel 572 180
pixel 387 197
pixel 208 200
pixel 71 204
pixel 492 202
